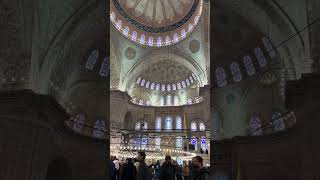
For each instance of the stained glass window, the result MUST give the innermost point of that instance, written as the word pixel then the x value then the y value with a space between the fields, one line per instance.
pixel 161 101
pixel 195 143
pixel 194 76
pixel 137 126
pixel 168 87
pixel 190 26
pixel 92 59
pixel 188 82
pixel 147 84
pixel 104 70
pixel 174 87
pixel 175 37
pixel 169 122
pixel 169 100
pixel 178 123
pixel 150 42
pixel 203 144
pixel 278 121
pixel 167 40
pixel 159 41
pixel 119 24
pixel 78 122
pixel 152 86
pixel 176 100
pixel 183 84
pixel 269 47
pixel 259 55
pixel 138 80
pixel 157 142
pixel 145 125
pixel 134 36
pixel 163 87
pixel 158 123
pixel 126 31
pixel 183 33
pixel 142 39
pixel 235 71
pixel 142 82
pixel 144 142
pixel 202 127
pixel 189 101
pixel 193 126
pixel 255 126
pixel 99 129
pixel 249 65
pixel 158 87
pixel 179 85
pixel 179 142
pixel 221 77
pixel 191 79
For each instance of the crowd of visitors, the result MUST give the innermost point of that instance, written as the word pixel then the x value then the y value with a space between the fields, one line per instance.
pixel 137 169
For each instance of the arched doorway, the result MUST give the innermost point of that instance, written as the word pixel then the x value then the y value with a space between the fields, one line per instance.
pixel 59 169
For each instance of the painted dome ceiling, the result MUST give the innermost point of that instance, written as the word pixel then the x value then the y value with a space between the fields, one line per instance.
pixel 155 22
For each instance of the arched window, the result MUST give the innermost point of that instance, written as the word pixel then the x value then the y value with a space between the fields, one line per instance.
pixel 119 24
pixel 158 87
pixel 255 126
pixel 176 100
pixel 189 101
pixel 183 84
pixel 144 142
pixel 203 144
pixel 188 82
pixel 221 77
pixel 158 123
pixel 99 129
pixel 235 70
pixel 157 142
pixel 193 126
pixel 144 125
pixel 152 86
pixel 142 39
pixel 150 41
pixel 169 100
pixel 167 40
pixel 147 84
pixel 194 142
pixel 261 59
pixel 268 46
pixel 92 59
pixel 104 70
pixel 142 82
pixel 179 85
pixel 168 87
pixel 178 123
pixel 249 65
pixel 278 121
pixel 159 41
pixel 138 80
pixel 137 126
pixel 168 122
pixel 163 87
pixel 78 122
pixel 134 36
pixel 175 37
pixel 191 79
pixel 174 87
pixel 202 127
pixel 126 31
pixel 161 101
pixel 179 142
pixel 148 102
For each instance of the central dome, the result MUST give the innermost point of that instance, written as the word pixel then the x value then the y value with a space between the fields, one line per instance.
pixel 155 23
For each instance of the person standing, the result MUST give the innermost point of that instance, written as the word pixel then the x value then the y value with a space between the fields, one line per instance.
pixel 129 171
pixel 185 171
pixel 179 172
pixel 112 170
pixel 144 172
pixel 199 171
pixel 167 171
pixel 157 167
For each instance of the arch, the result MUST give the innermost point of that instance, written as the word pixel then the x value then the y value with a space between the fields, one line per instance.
pixel 59 169
pixel 193 126
pixel 99 129
pixel 168 123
